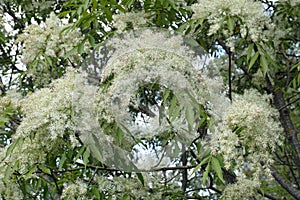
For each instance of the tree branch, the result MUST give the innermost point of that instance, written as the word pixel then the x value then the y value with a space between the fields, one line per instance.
pixel 286 121
pixel 229 75
pixel 141 170
pixel 290 134
pixel 285 184
pixel 184 172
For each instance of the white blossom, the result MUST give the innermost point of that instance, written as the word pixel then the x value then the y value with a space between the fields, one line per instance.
pixel 247 135
pixel 243 189
pixel 47 38
pixel 248 15
pixel 75 190
pixel 124 21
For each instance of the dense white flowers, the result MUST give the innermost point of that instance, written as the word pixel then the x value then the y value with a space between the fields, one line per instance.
pixel 47 39
pixel 149 88
pixel 75 190
pixel 48 121
pixel 246 137
pixel 232 17
pixel 149 59
pixel 242 190
pixel 124 21
pixel 134 188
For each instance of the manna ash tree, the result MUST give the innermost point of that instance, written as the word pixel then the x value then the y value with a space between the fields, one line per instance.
pixel 150 99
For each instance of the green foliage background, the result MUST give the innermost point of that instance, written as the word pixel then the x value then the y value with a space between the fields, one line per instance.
pixel 270 66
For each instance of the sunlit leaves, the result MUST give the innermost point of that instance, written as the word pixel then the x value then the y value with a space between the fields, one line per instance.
pixel 208 164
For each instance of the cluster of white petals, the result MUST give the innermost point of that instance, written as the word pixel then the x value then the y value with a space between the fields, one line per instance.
pixel 75 190
pixel 144 58
pixel 134 188
pixel 47 39
pixel 244 189
pixel 247 136
pixel 124 21
pixel 48 121
pixel 225 15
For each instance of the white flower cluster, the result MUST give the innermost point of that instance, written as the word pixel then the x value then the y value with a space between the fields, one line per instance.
pixel 134 188
pixel 48 39
pixel 242 190
pixel 48 120
pixel 224 15
pixel 123 21
pixel 75 190
pixel 149 58
pixel 10 191
pixel 247 135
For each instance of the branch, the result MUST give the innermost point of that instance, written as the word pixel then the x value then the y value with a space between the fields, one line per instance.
pixel 294 101
pixel 141 170
pixel 229 75
pixel 285 184
pixel 184 173
pixel 267 195
pixel 2 87
pixel 286 121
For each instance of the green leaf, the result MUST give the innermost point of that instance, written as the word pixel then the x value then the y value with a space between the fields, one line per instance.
pixel 86 156
pixel 120 136
pixel 2 38
pixel 127 3
pixel 249 51
pixel 49 61
pixel 173 105
pixel 8 172
pixel 190 117
pixel 80 49
pixel 203 44
pixel 44 169
pixel 95 148
pixel 141 178
pixel 62 161
pixel 205 174
pixel 176 112
pixel 86 4
pixel 30 171
pixel 230 24
pixel 80 152
pixel 166 94
pixel 264 65
pixel 9 111
pixel 3 120
pixel 253 60
pixel 191 42
pixel 91 40
pixel 205 160
pixel 217 168
pixel 12 146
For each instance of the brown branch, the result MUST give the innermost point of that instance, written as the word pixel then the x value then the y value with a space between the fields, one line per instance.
pixel 294 101
pixel 140 170
pixel 2 87
pixel 184 172
pixel 266 195
pixel 285 184
pixel 229 75
pixel 286 121
pixel 290 134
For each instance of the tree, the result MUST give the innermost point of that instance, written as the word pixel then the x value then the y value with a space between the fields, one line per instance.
pixel 129 99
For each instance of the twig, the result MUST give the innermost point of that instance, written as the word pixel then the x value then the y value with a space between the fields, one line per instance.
pixel 142 170
pixel 229 76
pixel 285 184
pixel 294 101
pixel 184 173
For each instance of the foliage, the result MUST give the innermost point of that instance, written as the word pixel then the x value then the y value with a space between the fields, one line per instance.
pixel 153 99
